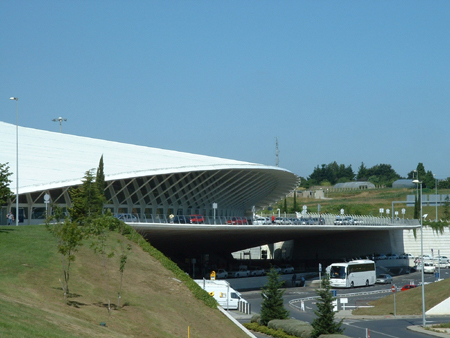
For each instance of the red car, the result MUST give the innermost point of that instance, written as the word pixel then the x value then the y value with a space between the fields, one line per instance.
pixel 197 219
pixel 238 221
pixel 408 287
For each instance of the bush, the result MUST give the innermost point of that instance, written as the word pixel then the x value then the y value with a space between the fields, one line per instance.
pixel 264 329
pixel 256 319
pixel 334 335
pixel 292 327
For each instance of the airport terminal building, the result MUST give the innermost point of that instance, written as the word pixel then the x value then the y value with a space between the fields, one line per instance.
pixel 148 182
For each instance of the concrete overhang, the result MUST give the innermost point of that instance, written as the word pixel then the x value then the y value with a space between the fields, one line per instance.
pixel 204 238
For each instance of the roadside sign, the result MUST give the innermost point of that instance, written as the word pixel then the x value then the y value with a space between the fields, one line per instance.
pixel 393 288
pixel 213 275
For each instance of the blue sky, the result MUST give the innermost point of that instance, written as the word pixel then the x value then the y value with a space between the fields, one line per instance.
pixel 344 81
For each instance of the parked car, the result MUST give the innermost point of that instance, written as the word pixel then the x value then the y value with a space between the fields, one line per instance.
pixel 127 217
pixel 258 220
pixel 348 220
pixel 221 274
pixel 286 268
pixel 384 279
pixel 242 272
pixel 378 257
pixel 338 221
pixel 408 287
pixel 257 271
pixel 237 221
pixel 180 220
pixel 428 267
pixel 392 256
pixel 197 219
pixel 442 262
pixel 276 268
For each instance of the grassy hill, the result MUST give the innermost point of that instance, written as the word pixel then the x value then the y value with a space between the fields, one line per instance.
pixel 409 302
pixel 366 202
pixel 156 302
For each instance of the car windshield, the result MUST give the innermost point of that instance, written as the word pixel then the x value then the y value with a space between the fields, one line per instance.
pixel 337 272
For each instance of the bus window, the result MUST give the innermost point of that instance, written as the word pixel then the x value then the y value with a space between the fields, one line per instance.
pixel 337 272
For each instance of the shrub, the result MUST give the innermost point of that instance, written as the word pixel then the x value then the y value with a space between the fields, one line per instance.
pixel 292 327
pixel 256 319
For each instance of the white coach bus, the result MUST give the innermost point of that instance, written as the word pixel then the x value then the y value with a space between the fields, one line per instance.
pixel 351 274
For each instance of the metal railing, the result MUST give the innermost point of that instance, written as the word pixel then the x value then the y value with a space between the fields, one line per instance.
pixel 288 219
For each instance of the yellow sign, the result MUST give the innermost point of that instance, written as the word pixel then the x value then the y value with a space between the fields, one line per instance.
pixel 211 293
pixel 213 275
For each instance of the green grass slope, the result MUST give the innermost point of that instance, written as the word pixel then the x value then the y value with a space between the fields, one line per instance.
pixel 409 302
pixel 156 301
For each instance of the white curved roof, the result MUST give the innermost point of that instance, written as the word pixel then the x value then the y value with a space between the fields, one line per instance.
pixel 49 160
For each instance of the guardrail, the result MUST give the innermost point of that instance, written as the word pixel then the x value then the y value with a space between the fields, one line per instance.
pixel 288 219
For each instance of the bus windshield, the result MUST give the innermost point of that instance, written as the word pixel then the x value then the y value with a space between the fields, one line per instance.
pixel 337 272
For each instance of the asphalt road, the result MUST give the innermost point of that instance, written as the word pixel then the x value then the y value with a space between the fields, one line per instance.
pixel 379 326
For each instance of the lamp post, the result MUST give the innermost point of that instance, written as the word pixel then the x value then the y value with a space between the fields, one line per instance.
pixel 17 158
pixel 421 254
pixel 436 197
pixel 60 120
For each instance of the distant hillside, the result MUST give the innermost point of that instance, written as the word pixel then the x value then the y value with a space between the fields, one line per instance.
pixel 156 303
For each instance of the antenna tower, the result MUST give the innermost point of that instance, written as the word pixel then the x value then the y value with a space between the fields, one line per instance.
pixel 277 152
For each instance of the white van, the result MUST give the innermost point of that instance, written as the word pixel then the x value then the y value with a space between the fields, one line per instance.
pixel 226 296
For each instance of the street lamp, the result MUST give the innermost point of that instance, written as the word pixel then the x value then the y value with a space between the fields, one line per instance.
pixel 421 254
pixel 436 196
pixel 17 158
pixel 60 120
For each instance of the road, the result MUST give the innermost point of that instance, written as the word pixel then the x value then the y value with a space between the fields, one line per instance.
pixel 379 326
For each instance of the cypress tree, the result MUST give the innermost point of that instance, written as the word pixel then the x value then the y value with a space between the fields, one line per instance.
pixel 272 306
pixel 100 178
pixel 325 322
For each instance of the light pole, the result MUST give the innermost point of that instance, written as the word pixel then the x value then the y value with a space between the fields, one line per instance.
pixel 60 120
pixel 17 158
pixel 436 196
pixel 421 255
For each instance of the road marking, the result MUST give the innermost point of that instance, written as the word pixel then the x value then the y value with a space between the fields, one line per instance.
pixel 373 331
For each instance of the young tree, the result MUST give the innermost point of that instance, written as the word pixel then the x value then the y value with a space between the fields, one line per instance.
pixel 5 192
pixel 100 230
pixel 325 322
pixel 69 238
pixel 124 249
pixel 272 306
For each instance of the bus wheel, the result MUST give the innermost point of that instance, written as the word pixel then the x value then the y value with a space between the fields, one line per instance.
pixel 367 282
pixel 352 285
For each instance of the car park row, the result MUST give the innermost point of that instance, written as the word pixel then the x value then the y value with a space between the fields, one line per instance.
pixel 253 271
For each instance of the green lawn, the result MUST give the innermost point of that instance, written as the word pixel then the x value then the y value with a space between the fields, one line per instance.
pixel 154 302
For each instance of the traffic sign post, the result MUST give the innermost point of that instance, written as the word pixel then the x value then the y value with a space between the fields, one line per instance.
pixel 394 289
pixel 320 275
